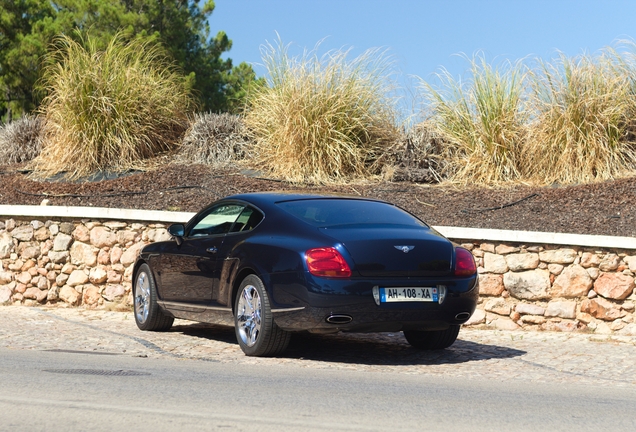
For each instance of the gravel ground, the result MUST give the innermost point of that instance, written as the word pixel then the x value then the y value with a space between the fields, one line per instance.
pixel 602 208
pixel 540 357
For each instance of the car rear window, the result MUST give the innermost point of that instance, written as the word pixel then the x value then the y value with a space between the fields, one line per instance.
pixel 324 213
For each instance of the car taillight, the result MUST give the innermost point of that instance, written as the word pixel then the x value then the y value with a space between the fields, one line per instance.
pixel 327 262
pixel 464 263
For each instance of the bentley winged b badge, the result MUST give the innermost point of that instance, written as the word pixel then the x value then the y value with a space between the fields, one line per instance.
pixel 405 249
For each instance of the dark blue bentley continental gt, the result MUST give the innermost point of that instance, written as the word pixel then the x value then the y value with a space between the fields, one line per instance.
pixel 272 263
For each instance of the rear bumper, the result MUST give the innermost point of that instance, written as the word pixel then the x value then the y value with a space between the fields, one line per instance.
pixel 307 308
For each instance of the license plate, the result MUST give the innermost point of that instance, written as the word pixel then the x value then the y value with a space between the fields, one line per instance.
pixel 409 294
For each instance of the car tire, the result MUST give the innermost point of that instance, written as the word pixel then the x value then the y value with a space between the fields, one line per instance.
pixel 432 340
pixel 148 314
pixel 256 332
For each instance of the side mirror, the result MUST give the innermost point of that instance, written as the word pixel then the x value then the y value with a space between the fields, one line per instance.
pixel 177 231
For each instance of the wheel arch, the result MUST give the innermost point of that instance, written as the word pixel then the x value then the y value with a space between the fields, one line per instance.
pixel 140 261
pixel 242 274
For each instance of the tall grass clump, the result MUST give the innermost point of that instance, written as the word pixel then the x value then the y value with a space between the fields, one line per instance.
pixel 322 119
pixel 215 139
pixel 109 109
pixel 20 140
pixel 583 108
pixel 482 122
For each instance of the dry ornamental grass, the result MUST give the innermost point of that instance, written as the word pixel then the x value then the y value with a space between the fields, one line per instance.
pixel 482 123
pixel 109 109
pixel 583 109
pixel 567 121
pixel 321 119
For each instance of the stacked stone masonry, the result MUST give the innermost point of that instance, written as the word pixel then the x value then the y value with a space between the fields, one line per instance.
pixel 534 287
pixel 70 263
pixel 555 288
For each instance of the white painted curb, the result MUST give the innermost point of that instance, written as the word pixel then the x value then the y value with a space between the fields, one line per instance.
pixel 537 237
pixel 95 213
pixel 457 233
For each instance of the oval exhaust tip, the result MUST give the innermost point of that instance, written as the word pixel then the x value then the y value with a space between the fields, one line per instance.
pixel 339 319
pixel 462 316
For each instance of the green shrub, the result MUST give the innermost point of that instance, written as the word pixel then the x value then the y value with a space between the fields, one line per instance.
pixel 582 109
pixel 321 119
pixel 20 140
pixel 109 109
pixel 214 139
pixel 483 123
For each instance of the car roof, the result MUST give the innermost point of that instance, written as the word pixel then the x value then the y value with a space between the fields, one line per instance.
pixel 270 198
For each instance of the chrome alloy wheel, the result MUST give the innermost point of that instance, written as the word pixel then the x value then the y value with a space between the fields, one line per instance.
pixel 249 315
pixel 142 297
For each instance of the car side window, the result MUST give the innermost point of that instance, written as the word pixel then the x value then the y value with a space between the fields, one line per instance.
pixel 218 220
pixel 248 219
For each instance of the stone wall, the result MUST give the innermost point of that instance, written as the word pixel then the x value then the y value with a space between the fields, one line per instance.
pixel 71 263
pixel 555 288
pixel 535 287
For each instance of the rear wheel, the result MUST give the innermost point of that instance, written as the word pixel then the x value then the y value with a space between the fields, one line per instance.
pixel 432 340
pixel 148 314
pixel 256 332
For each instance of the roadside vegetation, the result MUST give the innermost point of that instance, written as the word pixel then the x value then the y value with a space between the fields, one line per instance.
pixel 321 118
pixel 484 123
pixel 567 121
pixel 583 125
pixel 109 109
pixel 27 29
pixel 111 102
pixel 218 140
pixel 21 140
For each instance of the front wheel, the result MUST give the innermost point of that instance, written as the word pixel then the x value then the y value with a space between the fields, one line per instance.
pixel 148 314
pixel 432 340
pixel 256 332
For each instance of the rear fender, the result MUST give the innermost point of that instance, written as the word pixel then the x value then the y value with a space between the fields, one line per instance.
pixel 264 261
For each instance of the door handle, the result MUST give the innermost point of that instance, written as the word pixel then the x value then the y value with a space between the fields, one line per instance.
pixel 212 250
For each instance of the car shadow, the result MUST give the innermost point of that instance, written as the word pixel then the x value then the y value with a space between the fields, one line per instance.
pixel 207 331
pixel 389 349
pixel 381 349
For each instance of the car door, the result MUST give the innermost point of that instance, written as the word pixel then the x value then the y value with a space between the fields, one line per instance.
pixel 244 224
pixel 190 273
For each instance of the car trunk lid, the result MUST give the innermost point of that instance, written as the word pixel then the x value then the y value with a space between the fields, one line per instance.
pixel 395 251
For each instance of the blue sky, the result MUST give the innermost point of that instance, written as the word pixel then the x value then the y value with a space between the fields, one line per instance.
pixel 423 36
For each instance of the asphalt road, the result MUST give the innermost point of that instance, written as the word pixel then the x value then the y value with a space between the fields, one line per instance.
pixel 61 391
